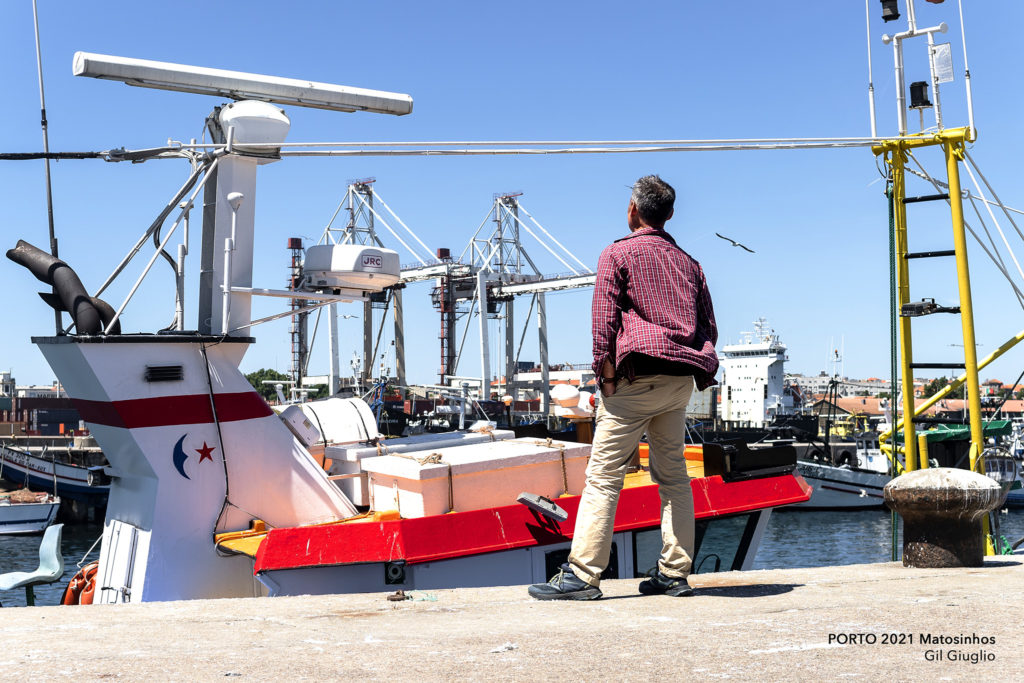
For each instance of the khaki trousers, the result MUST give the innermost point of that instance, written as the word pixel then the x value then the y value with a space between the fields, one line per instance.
pixel 654 404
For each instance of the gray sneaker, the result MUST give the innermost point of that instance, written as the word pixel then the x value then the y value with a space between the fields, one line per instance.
pixel 564 585
pixel 659 584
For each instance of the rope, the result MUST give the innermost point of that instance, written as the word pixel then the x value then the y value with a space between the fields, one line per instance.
pixel 894 525
pixel 565 475
pixel 966 194
pixel 937 184
pixel 31 156
pixel 549 443
pixel 89 551
pixel 438 459
pixel 1006 212
pixel 470 148
pixel 220 440
pixel 488 430
pixel 432 459
pixel 1000 265
pixel 988 207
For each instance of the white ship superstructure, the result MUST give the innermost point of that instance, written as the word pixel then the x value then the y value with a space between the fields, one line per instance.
pixel 753 389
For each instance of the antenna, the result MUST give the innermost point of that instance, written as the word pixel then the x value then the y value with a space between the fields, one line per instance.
pixel 46 149
pixel 891 13
pixel 238 85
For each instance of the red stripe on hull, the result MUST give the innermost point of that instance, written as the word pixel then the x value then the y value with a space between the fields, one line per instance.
pixel 460 534
pixel 166 411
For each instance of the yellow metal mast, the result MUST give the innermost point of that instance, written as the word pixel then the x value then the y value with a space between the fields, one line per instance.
pixel 954 149
pixel 895 154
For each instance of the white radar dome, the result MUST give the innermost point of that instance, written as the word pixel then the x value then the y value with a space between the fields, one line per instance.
pixel 350 266
pixel 255 122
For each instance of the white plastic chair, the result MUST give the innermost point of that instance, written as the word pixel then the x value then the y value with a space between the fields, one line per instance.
pixel 51 567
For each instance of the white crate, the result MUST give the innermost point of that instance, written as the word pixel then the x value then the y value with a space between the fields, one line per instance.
pixel 346 459
pixel 482 476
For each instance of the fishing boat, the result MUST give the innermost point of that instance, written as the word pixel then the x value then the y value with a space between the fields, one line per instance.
pixel 43 471
pixel 855 480
pixel 846 481
pixel 214 494
pixel 27 512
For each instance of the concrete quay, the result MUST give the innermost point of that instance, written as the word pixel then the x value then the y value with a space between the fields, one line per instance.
pixel 862 622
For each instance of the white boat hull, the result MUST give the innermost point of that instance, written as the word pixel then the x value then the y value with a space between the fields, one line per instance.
pixel 27 518
pixel 841 488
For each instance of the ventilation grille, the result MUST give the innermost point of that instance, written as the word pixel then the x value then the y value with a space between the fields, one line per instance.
pixel 164 373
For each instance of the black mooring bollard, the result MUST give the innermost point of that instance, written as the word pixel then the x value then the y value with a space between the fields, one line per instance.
pixel 942 510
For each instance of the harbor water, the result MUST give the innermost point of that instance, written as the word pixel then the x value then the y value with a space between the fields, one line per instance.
pixel 800 538
pixel 793 539
pixel 21 554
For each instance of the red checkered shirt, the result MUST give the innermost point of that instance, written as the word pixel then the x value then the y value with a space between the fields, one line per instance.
pixel 651 297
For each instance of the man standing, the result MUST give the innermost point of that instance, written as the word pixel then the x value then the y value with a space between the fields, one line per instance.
pixel 654 339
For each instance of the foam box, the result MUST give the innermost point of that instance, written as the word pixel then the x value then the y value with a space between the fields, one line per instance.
pixel 345 459
pixel 483 475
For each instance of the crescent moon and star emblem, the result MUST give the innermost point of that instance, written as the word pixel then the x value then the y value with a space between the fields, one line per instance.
pixel 179 456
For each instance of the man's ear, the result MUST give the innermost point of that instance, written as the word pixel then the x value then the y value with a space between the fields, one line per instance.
pixel 670 214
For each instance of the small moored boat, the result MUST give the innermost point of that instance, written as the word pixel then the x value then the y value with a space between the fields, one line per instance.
pixel 26 512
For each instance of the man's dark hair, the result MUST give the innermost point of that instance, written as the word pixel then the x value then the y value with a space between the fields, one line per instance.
pixel 654 199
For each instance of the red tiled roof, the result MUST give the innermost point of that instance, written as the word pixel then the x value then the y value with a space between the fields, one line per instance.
pixel 869 405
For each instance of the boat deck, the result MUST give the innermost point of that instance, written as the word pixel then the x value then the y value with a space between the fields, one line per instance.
pixel 247 542
pixel 759 625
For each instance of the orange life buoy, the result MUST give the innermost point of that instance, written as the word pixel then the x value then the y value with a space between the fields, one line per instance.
pixel 82 587
pixel 89 592
pixel 72 591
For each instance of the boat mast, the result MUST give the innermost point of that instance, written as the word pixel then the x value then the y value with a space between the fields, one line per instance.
pixel 46 153
pixel 896 153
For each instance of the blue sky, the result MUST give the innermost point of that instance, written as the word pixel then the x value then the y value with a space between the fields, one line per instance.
pixel 528 71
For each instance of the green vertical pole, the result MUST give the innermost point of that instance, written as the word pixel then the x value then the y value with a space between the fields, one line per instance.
pixel 894 521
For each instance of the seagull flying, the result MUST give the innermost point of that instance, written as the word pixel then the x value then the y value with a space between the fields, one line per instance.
pixel 735 243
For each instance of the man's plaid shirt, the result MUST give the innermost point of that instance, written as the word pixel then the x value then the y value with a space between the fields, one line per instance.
pixel 651 297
